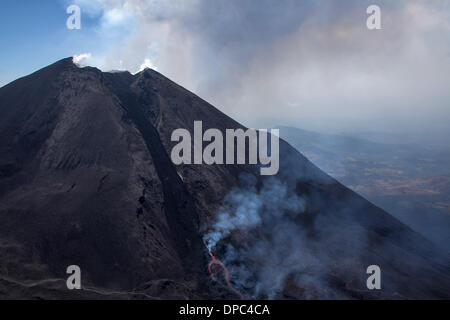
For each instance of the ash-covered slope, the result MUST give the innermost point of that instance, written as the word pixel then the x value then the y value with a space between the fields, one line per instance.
pixel 86 179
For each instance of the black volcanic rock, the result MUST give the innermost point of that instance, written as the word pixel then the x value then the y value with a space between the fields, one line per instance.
pixel 86 179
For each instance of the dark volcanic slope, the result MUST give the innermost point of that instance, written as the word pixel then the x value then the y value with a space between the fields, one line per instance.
pixel 86 178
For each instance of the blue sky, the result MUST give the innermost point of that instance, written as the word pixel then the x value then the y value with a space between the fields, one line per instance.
pixel 34 34
pixel 312 64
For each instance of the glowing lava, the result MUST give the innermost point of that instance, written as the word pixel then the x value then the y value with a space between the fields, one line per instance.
pixel 213 269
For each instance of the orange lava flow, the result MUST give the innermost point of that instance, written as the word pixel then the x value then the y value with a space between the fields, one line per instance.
pixel 213 271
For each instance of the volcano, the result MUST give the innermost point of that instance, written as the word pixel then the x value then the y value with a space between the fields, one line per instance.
pixel 86 179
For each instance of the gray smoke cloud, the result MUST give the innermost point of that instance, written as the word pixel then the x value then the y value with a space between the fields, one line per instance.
pixel 246 208
pixel 305 63
pixel 258 235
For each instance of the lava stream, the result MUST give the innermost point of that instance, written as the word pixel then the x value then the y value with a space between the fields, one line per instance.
pixel 213 271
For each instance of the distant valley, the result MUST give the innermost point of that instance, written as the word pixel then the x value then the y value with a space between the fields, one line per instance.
pixel 410 182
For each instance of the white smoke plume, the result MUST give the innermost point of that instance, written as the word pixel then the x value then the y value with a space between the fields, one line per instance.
pixel 147 64
pixel 247 210
pixel 260 234
pixel 82 60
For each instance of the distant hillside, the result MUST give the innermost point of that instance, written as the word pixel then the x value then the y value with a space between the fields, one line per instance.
pixel 409 181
